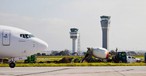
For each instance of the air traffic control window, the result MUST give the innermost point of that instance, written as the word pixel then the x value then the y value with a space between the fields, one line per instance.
pixel 26 36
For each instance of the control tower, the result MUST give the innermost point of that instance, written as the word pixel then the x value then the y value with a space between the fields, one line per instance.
pixel 105 21
pixel 73 36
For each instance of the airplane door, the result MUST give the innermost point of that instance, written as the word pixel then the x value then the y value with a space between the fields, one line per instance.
pixel 6 38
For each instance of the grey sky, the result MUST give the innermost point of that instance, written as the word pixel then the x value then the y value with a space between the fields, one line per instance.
pixel 51 21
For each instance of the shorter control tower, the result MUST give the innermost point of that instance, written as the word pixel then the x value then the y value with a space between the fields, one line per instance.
pixel 73 36
pixel 105 21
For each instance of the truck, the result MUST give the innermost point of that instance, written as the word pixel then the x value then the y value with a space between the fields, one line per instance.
pixel 120 57
pixel 124 58
pixel 131 59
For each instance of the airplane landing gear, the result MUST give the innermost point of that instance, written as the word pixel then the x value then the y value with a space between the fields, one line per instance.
pixel 12 64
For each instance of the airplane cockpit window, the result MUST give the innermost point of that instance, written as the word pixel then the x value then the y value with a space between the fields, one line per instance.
pixel 26 36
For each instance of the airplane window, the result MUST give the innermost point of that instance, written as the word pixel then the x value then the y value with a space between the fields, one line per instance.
pixel 26 36
pixel 21 35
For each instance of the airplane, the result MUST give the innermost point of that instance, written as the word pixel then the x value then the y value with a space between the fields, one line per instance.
pixel 17 44
pixel 97 52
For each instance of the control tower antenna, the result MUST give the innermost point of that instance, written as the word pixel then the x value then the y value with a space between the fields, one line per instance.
pixel 79 46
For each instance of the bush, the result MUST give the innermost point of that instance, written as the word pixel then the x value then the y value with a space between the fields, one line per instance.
pixel 41 62
pixel 76 60
pixel 5 61
pixel 65 60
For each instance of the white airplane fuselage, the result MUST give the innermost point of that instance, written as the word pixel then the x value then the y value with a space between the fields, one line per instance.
pixel 17 43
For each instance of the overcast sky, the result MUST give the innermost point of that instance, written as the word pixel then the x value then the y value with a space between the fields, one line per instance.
pixel 51 21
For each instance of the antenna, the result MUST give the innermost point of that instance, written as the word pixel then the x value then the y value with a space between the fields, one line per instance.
pixel 79 46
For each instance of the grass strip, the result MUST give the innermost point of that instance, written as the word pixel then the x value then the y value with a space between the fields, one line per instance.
pixel 73 64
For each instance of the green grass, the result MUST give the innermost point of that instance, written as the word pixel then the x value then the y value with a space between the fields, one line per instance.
pixel 73 64
pixel 140 56
pixel 53 58
pixel 57 58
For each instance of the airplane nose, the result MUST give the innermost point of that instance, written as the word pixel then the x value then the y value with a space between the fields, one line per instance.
pixel 40 44
pixel 43 45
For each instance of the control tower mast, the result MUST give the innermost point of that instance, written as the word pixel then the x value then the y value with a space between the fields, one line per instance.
pixel 105 21
pixel 73 36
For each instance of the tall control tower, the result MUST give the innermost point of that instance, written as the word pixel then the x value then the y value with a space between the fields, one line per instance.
pixel 105 21
pixel 73 36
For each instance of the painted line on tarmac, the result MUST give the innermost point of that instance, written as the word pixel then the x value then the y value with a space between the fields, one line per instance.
pixel 36 72
pixel 43 72
pixel 119 72
pixel 97 72
pixel 114 71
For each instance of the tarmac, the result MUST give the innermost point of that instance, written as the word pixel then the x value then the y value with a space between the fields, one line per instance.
pixel 75 71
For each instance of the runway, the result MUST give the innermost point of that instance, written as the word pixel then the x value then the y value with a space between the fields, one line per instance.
pixel 75 71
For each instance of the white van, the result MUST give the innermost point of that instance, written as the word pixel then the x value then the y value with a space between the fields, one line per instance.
pixel 131 59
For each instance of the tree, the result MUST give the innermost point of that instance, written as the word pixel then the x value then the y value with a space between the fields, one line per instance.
pixel 38 54
pixel 43 54
pixel 54 53
pixel 64 53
